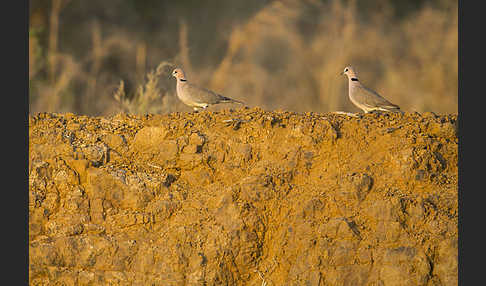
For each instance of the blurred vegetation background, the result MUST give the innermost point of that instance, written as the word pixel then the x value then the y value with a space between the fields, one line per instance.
pixel 103 57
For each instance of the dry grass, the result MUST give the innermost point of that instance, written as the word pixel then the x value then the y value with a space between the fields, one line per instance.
pixel 286 56
pixel 413 63
pixel 148 97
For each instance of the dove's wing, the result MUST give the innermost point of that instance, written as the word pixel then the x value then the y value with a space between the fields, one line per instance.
pixel 201 95
pixel 371 99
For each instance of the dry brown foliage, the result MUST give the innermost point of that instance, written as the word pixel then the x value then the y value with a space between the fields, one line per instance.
pixel 287 55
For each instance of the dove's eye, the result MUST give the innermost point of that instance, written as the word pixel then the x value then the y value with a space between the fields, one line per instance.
pixel 346 70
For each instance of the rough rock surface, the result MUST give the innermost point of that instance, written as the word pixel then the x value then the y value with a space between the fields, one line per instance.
pixel 243 197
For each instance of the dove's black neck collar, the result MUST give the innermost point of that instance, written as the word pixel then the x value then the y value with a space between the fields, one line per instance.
pixel 181 79
pixel 354 79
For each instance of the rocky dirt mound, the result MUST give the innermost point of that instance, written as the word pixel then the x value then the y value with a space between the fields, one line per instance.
pixel 243 197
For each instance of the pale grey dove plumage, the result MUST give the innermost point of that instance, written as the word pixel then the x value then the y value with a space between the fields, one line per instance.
pixel 364 98
pixel 195 96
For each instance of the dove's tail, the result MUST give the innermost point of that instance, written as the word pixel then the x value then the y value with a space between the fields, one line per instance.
pixel 230 100
pixel 392 108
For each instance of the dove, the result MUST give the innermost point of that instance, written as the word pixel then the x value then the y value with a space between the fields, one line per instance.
pixel 195 96
pixel 364 98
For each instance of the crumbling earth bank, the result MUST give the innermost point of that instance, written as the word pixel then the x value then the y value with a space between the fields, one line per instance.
pixel 243 197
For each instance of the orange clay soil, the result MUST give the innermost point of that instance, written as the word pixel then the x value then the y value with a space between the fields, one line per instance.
pixel 243 197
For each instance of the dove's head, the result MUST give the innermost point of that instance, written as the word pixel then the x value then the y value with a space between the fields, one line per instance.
pixel 178 73
pixel 349 71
